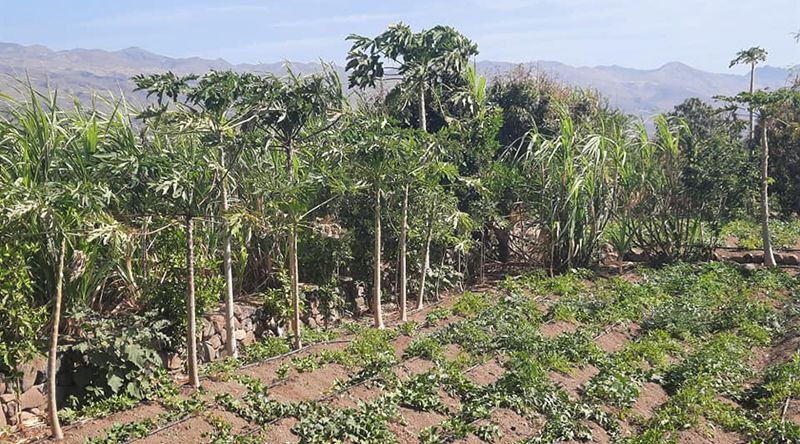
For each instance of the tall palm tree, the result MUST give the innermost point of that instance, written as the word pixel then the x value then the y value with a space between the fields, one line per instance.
pixel 751 56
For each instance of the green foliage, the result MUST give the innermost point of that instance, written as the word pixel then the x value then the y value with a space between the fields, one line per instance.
pixel 118 357
pixel 781 382
pixel 20 318
pixel 167 296
pixel 266 348
pixel 783 233
pixel 470 304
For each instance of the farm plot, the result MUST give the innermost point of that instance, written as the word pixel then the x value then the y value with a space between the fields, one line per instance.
pixel 686 353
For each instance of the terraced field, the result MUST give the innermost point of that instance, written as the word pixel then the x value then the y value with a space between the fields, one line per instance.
pixel 687 353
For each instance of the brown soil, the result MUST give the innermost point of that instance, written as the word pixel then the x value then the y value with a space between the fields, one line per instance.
pixel 793 412
pixel 718 436
pixel 350 398
pixel 486 373
pixel 281 432
pixel 573 382
pixel 612 341
pixel 96 428
pixel 193 430
pixel 651 396
pixel 599 435
pixel 557 328
pixel 401 344
pixel 451 352
pixel 415 421
pixel 267 372
pixel 412 367
pixel 512 426
pixel 310 385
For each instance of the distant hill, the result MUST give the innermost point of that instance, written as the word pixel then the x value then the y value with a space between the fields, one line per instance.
pixel 81 72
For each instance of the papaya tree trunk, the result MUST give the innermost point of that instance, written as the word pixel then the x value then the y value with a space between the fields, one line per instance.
pixel 483 256
pixel 750 109
pixel 423 118
pixel 191 337
pixel 769 258
pixel 133 287
pixel 295 287
pixel 55 424
pixel 426 264
pixel 403 275
pixel 377 311
pixel 230 336
pixel 294 279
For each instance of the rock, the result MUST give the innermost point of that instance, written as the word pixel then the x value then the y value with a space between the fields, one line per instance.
pixel 207 352
pixel 7 397
pixel 2 384
pixel 749 267
pixel 218 321
pixel 11 412
pixel 3 421
pixel 215 341
pixel 247 324
pixel 239 334
pixel 787 259
pixel 33 397
pixel 208 329
pixel 635 254
pixel 28 418
pixel 36 411
pixel 172 361
pixel 30 371
pixel 312 323
pixel 249 338
pixel 279 331
pixel 237 323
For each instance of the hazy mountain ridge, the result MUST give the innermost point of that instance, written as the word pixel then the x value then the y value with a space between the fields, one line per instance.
pixel 639 91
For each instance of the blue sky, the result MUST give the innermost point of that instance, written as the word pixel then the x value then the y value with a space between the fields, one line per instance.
pixel 633 33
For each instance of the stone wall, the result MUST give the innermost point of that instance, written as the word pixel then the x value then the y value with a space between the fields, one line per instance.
pixel 29 401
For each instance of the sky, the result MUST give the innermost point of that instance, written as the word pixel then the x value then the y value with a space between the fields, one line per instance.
pixel 641 34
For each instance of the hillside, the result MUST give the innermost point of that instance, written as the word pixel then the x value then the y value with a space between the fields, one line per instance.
pixel 637 91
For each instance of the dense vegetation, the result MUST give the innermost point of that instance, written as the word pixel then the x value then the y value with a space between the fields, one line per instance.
pixel 237 184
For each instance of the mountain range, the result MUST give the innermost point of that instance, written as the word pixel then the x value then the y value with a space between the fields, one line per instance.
pixel 83 72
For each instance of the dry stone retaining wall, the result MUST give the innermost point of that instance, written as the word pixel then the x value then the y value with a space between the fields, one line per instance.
pixel 26 398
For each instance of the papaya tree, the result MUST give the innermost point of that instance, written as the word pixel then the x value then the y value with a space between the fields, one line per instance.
pixel 421 62
pixel 750 56
pixel 208 107
pixel 766 104
pixel 295 111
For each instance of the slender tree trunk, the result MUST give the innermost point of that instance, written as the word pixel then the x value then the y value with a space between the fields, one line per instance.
pixel 293 271
pixel 295 287
pixel 55 424
pixel 230 336
pixel 377 311
pixel 423 118
pixel 133 287
pixel 769 258
pixel 403 275
pixel 483 255
pixel 752 88
pixel 426 261
pixel 145 244
pixel 191 336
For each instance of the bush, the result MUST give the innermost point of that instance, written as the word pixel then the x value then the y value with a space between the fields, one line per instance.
pixel 116 356
pixel 20 319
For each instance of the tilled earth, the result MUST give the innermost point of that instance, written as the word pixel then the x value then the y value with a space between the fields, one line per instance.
pixel 689 353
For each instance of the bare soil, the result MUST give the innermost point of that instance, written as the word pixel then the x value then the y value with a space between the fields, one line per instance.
pixel 574 381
